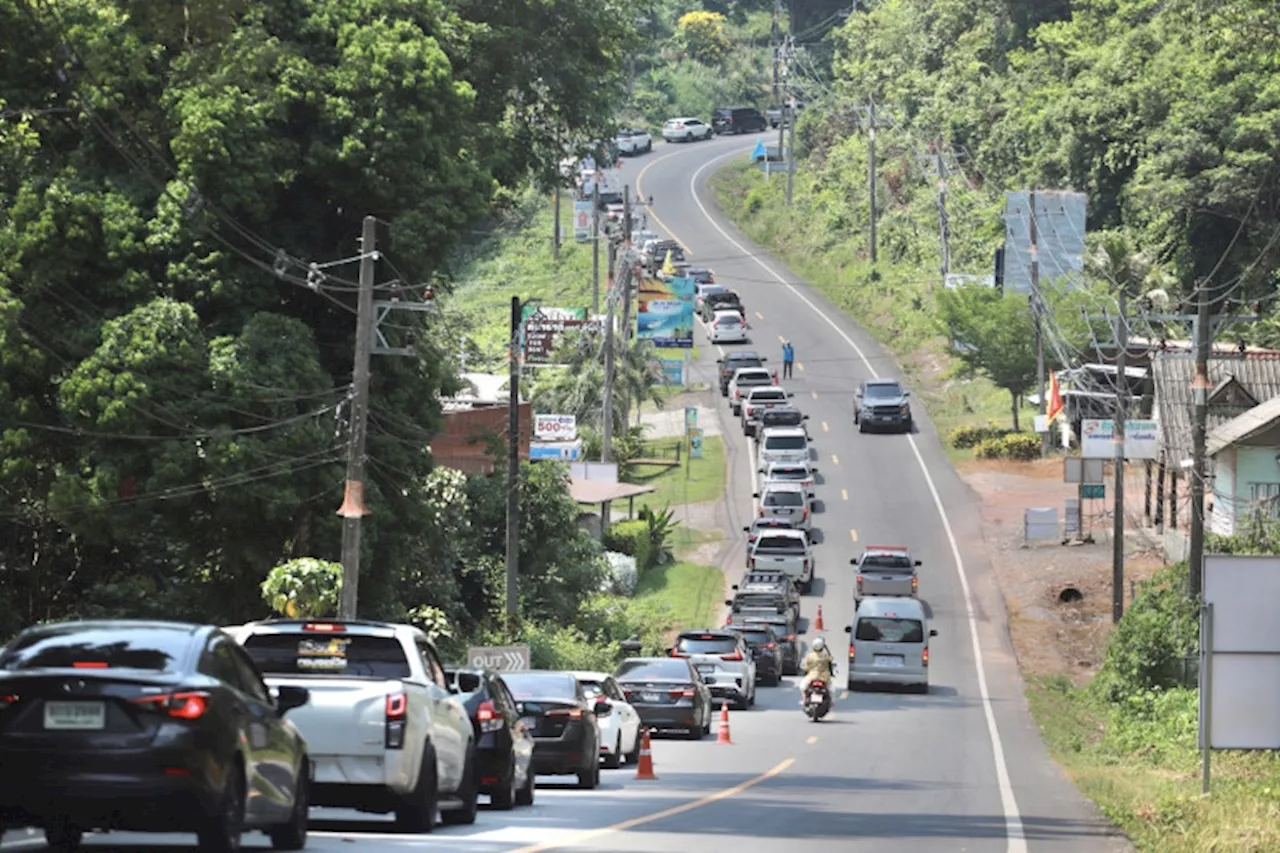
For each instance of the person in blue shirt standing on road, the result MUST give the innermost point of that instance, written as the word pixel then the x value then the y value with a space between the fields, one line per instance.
pixel 788 359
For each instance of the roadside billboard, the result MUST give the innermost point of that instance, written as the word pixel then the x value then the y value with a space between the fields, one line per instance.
pixel 543 328
pixel 665 314
pixel 1141 439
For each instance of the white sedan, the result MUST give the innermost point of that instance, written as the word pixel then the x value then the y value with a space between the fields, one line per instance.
pixel 727 327
pixel 620 728
pixel 685 130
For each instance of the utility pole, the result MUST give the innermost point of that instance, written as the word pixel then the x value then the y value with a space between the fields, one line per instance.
pixel 595 248
pixel 944 226
pixel 1037 310
pixel 1200 387
pixel 555 227
pixel 353 508
pixel 1122 404
pixel 871 181
pixel 791 151
pixel 625 289
pixel 606 443
pixel 777 24
pixel 513 467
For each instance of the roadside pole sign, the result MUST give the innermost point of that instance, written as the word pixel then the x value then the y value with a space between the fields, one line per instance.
pixel 499 658
pixel 582 221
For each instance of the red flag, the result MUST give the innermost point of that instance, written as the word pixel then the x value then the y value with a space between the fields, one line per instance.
pixel 1055 398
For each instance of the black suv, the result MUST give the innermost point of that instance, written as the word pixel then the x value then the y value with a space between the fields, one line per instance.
pixel 782 416
pixel 763 642
pixel 720 301
pixel 733 362
pixel 738 120
pixel 762 590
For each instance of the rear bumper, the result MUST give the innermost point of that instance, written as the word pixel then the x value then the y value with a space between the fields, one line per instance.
pixel 492 764
pixel 768 667
pixel 366 782
pixel 673 717
pixel 573 752
pixel 882 675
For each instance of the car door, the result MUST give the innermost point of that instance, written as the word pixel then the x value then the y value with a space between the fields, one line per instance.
pixel 521 737
pixel 450 723
pixel 629 720
pixel 280 767
pixel 246 718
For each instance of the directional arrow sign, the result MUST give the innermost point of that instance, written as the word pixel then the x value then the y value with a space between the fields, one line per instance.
pixel 500 658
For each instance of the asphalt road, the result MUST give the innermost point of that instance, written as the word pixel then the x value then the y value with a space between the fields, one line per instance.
pixel 959 769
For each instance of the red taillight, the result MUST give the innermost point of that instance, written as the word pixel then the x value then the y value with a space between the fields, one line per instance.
pixel 397 706
pixel 915 584
pixel 488 717
pixel 734 656
pixel 180 706
pixel 762 512
pixel 859 580
pixel 851 651
pixel 571 713
pixel 91 664
pixel 753 562
pixel 683 694
pixel 728 620
pixel 324 628
pixel 9 701
pixel 924 656
pixel 817 684
pixel 806 513
pixel 678 654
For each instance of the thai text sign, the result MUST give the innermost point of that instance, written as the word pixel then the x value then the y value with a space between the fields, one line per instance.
pixel 543 328
pixel 665 315
pixel 555 427
pixel 1141 439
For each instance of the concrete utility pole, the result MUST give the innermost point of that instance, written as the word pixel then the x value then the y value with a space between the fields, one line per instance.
pixel 513 467
pixel 944 226
pixel 871 180
pixel 1122 404
pixel 555 226
pixel 595 248
pixel 1200 387
pixel 625 290
pixel 777 30
pixel 606 442
pixel 353 508
pixel 1037 310
pixel 791 150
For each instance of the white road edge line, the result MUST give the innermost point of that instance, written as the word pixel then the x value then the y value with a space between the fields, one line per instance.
pixel 1014 831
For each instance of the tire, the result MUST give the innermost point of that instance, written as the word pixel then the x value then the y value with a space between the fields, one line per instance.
pixel 612 761
pixel 862 427
pixel 293 835
pixel 589 778
pixel 503 798
pixel 772 680
pixel 695 733
pixel 468 792
pixel 633 757
pixel 223 830
pixel 706 724
pixel 418 809
pixel 63 838
pixel 524 794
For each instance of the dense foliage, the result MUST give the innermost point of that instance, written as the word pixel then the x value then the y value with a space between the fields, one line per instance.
pixel 181 192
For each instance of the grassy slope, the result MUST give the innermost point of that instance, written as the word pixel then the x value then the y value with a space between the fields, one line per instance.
pixel 692 595
pixel 695 481
pixel 894 309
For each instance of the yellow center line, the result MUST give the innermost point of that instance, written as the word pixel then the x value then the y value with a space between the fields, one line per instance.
pixel 799 366
pixel 825 428
pixel 649 211
pixel 815 394
pixel 813 739
pixel 656 816
pixel 844 493
pixel 853 534
pixel 835 460
pixel 781 339
pixel 759 316
pixel 844 695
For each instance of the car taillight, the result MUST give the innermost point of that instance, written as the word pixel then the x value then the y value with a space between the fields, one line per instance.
pixel 180 706
pixel 397 713
pixel 915 584
pixel 9 700
pixel 806 513
pixel 570 713
pixel 488 717
pixel 753 562
pixel 676 654
pixel 324 628
pixel 852 651
pixel 734 656
pixel 817 684
pixel 684 694
pixel 762 512
pixel 859 581
pixel 90 664
pixel 924 657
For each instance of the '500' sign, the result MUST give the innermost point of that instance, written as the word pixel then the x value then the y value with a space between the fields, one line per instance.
pixel 555 427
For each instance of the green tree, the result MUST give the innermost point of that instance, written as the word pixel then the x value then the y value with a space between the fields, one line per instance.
pixel 303 588
pixel 703 36
pixel 994 335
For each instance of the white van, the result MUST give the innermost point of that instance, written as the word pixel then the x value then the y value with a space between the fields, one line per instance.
pixel 889 643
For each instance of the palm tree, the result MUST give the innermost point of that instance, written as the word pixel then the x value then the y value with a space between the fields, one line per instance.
pixel 637 378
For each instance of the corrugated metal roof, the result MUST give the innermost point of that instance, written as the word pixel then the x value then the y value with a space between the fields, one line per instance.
pixel 1257 373
pixel 1239 428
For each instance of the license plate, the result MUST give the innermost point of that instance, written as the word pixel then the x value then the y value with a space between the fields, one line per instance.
pixel 529 723
pixel 648 697
pixel 75 716
pixel 782 512
pixel 888 660
pixel 815 698
pixel 706 667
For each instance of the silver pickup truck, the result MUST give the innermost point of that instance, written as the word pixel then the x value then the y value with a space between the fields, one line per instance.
pixel 384 732
pixel 886 570
pixel 786 551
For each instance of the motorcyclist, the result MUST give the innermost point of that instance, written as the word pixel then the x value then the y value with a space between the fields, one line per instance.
pixel 818 665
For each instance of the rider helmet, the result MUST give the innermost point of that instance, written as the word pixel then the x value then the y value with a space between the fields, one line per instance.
pixel 819 644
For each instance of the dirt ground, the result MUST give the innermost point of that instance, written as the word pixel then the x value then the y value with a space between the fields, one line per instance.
pixel 1058 596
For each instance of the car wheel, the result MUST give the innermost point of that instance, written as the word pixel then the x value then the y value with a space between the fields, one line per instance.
pixel 706 723
pixel 222 832
pixel 417 811
pixel 468 792
pixel 64 838
pixel 633 757
pixel 503 797
pixel 862 427
pixel 589 778
pixel 293 835
pixel 772 680
pixel 613 760
pixel 524 795
pixel 695 733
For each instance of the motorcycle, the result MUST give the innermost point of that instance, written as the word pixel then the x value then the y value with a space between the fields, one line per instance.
pixel 817 700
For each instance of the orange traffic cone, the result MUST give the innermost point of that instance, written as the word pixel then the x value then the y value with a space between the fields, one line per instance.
pixel 644 770
pixel 819 626
pixel 724 725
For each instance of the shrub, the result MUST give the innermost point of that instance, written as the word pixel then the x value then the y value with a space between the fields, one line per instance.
pixel 633 539
pixel 1023 446
pixel 1150 648
pixel 991 448
pixel 971 436
pixel 623 574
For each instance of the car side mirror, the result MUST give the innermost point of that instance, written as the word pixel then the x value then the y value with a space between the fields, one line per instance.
pixel 848 629
pixel 790 393
pixel 813 469
pixel 906 393
pixel 854 561
pixel 735 586
pixel 804 417
pixel 728 602
pixel 755 494
pixel 918 563
pixel 746 529
pixel 603 709
pixel 933 632
pixel 288 698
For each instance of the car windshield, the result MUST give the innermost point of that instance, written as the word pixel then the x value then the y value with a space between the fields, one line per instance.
pixel 884 629
pixel 656 669
pixel 883 391
pixel 778 498
pixel 158 649
pixel 781 544
pixel 592 689
pixel 786 417
pixel 889 562
pixel 788 474
pixel 350 655
pixel 556 686
pixel 706 644
pixel 786 442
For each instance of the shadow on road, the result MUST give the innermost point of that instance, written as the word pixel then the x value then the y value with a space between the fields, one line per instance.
pixel 816 536
pixel 818 589
pixel 819 505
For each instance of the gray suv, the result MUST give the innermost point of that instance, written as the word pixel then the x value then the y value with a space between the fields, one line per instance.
pixel 881 404
pixel 725 662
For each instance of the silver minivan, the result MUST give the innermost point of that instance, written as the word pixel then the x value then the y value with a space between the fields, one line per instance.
pixel 889 643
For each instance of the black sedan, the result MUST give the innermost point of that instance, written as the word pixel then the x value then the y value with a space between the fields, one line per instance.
pixel 504 745
pixel 667 693
pixel 566 734
pixel 150 727
pixel 763 641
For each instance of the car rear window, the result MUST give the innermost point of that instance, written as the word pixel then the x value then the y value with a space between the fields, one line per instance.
pixel 783 499
pixel 788 474
pixel 780 544
pixel 592 689
pixel 663 669
pixel 706 644
pixel 729 320
pixel 886 629
pixel 775 417
pixel 765 395
pixel 348 655
pixel 556 686
pixel 756 638
pixel 71 647
pixel 891 562
pixel 786 442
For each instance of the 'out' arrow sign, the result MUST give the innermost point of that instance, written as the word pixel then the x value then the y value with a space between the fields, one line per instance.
pixel 500 658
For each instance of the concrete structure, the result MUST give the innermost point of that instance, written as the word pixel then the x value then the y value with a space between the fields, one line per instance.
pixel 1245 453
